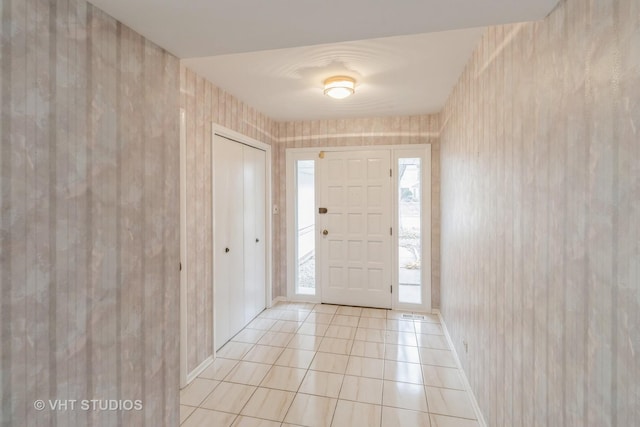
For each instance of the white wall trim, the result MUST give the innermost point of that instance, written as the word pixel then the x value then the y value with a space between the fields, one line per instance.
pixel 217 129
pixel 277 300
pixel 357 147
pixel 197 371
pixel 183 251
pixel 465 380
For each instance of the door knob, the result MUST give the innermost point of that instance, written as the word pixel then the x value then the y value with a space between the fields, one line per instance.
pixel 226 250
pixel 257 240
pixel 325 232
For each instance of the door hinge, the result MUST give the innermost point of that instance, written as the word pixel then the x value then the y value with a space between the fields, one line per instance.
pixel 180 266
pixel 390 172
pixel 390 231
pixel 391 288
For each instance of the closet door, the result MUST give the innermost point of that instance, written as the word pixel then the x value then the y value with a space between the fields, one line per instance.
pixel 229 316
pixel 254 231
pixel 261 227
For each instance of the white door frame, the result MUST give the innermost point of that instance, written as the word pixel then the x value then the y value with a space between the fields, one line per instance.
pixel 185 376
pixel 425 226
pixel 312 153
pixel 292 156
pixel 216 129
pixel 183 250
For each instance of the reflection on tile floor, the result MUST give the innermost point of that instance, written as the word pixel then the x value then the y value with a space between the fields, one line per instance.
pixel 301 364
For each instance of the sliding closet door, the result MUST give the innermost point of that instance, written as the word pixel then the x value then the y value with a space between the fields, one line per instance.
pixel 260 284
pixel 239 236
pixel 254 231
pixel 228 160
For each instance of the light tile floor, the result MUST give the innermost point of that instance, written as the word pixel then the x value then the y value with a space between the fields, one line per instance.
pixel 301 364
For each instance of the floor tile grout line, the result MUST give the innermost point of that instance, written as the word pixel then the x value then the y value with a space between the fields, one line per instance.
pixel 203 400
pixel 189 416
pixel 384 368
pixel 342 384
pixel 298 390
pixel 229 373
pixel 256 389
pixel 388 328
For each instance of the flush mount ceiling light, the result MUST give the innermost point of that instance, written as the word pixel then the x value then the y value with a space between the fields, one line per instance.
pixel 339 87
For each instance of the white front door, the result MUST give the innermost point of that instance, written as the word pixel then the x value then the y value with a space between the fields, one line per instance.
pixel 355 232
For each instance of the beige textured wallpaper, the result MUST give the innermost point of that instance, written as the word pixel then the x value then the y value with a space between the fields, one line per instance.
pixel 88 225
pixel 204 104
pixel 541 216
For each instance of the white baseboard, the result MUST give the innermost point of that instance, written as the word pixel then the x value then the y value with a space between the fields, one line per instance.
pixel 197 371
pixel 465 380
pixel 277 300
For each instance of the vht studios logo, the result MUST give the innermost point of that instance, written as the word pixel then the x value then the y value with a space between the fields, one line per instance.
pixel 88 405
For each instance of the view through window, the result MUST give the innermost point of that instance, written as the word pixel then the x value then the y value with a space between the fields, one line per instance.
pixel 409 235
pixel 306 228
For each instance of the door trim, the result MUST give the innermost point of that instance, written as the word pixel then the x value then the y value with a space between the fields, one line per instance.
pixel 185 376
pixel 184 380
pixel 217 129
pixel 291 159
pixel 425 229
pixel 293 154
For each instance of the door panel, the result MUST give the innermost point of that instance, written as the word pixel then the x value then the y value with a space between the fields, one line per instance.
pixel 260 191
pixel 228 232
pixel 355 187
pixel 254 231
pixel 250 216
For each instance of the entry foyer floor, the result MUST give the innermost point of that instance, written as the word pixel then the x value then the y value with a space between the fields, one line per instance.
pixel 300 364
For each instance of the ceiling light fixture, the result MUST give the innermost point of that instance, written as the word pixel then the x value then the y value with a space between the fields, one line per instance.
pixel 339 87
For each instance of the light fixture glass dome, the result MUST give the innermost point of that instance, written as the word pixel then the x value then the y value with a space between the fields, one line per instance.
pixel 339 87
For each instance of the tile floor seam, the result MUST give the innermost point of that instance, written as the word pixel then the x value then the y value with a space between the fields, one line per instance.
pixel 243 406
pixel 393 330
pixel 384 368
pixel 297 392
pixel 189 416
pixel 208 394
pixel 424 387
pixel 340 390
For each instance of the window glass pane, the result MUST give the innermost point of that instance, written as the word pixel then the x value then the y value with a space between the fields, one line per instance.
pixel 306 228
pixel 409 236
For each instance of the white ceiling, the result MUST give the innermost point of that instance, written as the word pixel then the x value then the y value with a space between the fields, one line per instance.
pixel 274 54
pixel 401 75
pixel 193 28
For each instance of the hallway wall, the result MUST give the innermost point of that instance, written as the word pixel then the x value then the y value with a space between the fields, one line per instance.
pixel 204 103
pixel 89 224
pixel 541 218
pixel 422 129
